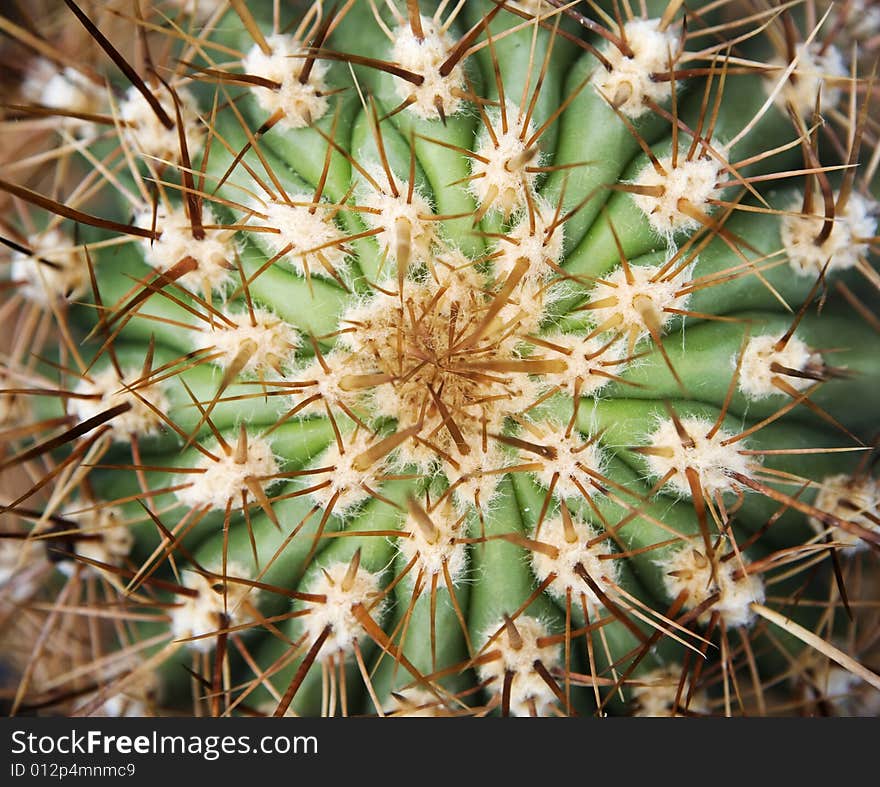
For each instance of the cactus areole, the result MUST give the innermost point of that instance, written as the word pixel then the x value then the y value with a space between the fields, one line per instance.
pixel 433 358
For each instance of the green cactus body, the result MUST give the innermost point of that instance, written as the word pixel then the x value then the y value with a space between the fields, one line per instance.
pixel 472 358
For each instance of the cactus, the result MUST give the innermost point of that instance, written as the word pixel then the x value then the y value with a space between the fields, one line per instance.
pixel 431 358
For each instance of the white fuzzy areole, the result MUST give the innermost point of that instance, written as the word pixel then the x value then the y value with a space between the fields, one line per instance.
pixel 110 540
pixel 646 293
pixel 846 693
pixel 457 274
pixel 269 341
pixel 66 278
pixel 690 570
pixel 302 104
pixel 500 175
pixel 816 71
pixel 466 288
pixel 756 376
pixel 861 25
pixel 438 550
pixel 711 460
pixel 629 84
pixel 853 500
pixel 347 480
pixel 472 475
pixel 587 359
pixel 654 696
pixel 425 58
pixel 368 316
pixel 534 238
pixel 148 136
pixel 603 572
pixel 141 420
pixel 63 88
pixel 18 560
pixel 570 454
pixel 522 314
pixel 215 253
pixel 842 249
pixel 336 612
pixel 213 609
pixel 225 479
pixel 327 383
pixel 694 181
pixel 307 231
pixel 527 686
pixel 409 231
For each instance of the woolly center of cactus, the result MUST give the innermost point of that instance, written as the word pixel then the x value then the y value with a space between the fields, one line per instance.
pixel 214 605
pixel 570 549
pixel 628 82
pixel 344 587
pixel 768 369
pixel 690 571
pixel 699 450
pixel 438 95
pixel 212 250
pixel 443 354
pixel 811 241
pixel 106 389
pixel 147 135
pixel 55 270
pixel 512 671
pixel 295 84
pixel 327 383
pixel 851 499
